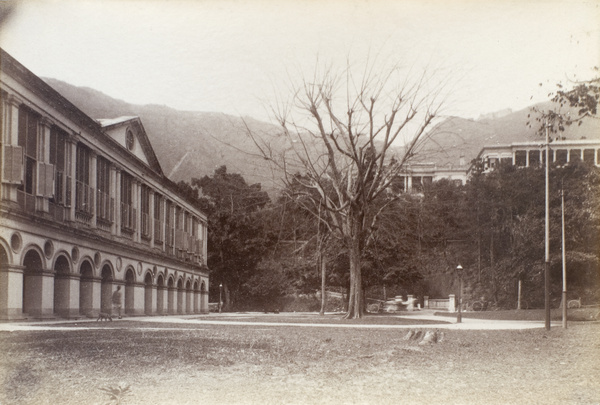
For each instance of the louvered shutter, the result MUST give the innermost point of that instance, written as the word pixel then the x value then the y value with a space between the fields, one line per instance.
pixel 49 181
pixel 45 177
pixel 13 164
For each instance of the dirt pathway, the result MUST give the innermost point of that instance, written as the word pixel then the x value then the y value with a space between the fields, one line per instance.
pixel 241 319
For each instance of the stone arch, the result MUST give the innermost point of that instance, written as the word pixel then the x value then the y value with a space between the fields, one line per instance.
pixel 66 294
pixel 107 275
pixel 180 293
pixel 203 298
pixel 160 294
pixel 63 255
pixel 171 295
pixel 86 288
pixel 6 257
pixel 148 288
pixel 196 293
pixel 91 261
pixel 129 290
pixel 62 264
pixel 33 248
pixel 188 297
pixel 34 283
pixel 6 281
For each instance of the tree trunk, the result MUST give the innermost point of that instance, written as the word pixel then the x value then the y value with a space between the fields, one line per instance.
pixel 227 298
pixel 355 297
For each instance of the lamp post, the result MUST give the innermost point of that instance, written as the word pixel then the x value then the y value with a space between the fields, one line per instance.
pixel 564 260
pixel 220 295
pixel 459 314
pixel 547 236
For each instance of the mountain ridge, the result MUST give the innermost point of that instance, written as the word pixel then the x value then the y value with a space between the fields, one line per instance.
pixel 202 139
pixel 192 144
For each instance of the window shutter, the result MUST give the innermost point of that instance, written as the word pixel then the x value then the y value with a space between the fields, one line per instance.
pixel 13 164
pixel 49 181
pixel 68 192
pixel 18 164
pixel 45 178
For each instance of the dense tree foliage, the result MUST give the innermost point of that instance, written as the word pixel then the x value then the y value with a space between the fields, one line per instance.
pixel 506 233
pixel 493 226
pixel 237 239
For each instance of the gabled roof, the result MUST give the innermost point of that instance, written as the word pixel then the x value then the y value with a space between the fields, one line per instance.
pixel 98 128
pixel 113 123
pixel 27 79
pixel 108 122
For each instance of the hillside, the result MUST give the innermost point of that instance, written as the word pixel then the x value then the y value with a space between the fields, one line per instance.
pixel 187 144
pixel 192 144
pixel 455 137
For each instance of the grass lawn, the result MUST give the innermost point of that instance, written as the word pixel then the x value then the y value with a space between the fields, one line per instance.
pixel 314 318
pixel 230 364
pixel 578 314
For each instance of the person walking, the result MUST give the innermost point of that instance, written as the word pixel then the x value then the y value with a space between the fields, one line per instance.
pixel 116 300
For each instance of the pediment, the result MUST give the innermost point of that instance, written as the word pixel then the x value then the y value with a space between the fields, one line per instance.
pixel 131 135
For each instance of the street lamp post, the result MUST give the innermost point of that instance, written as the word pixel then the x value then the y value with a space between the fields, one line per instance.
pixel 564 260
pixel 220 295
pixel 547 236
pixel 460 283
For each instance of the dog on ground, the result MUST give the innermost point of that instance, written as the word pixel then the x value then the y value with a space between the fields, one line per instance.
pixel 103 316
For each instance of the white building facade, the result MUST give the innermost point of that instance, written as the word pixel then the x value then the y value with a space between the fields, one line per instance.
pixel 415 177
pixel 526 154
pixel 84 208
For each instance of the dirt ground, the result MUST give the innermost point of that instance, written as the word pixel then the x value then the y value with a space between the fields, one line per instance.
pixel 241 364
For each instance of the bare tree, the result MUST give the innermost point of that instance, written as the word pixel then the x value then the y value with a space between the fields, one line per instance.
pixel 344 137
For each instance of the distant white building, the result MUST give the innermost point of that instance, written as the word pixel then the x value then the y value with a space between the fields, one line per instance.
pixel 526 154
pixel 416 176
pixel 521 154
pixel 84 208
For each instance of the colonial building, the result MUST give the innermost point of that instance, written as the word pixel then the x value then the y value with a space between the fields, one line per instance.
pixel 84 208
pixel 525 154
pixel 416 176
pixel 520 154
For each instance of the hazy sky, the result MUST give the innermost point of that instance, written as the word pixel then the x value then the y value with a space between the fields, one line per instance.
pixel 226 56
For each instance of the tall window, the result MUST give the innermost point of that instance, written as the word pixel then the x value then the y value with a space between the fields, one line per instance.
pixel 169 226
pixel 194 231
pixel 158 218
pixel 186 222
pixel 145 207
pixel 195 237
pixel 178 218
pixel 179 244
pixel 58 159
pixel 28 140
pixel 127 210
pixel 83 194
pixel 105 202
